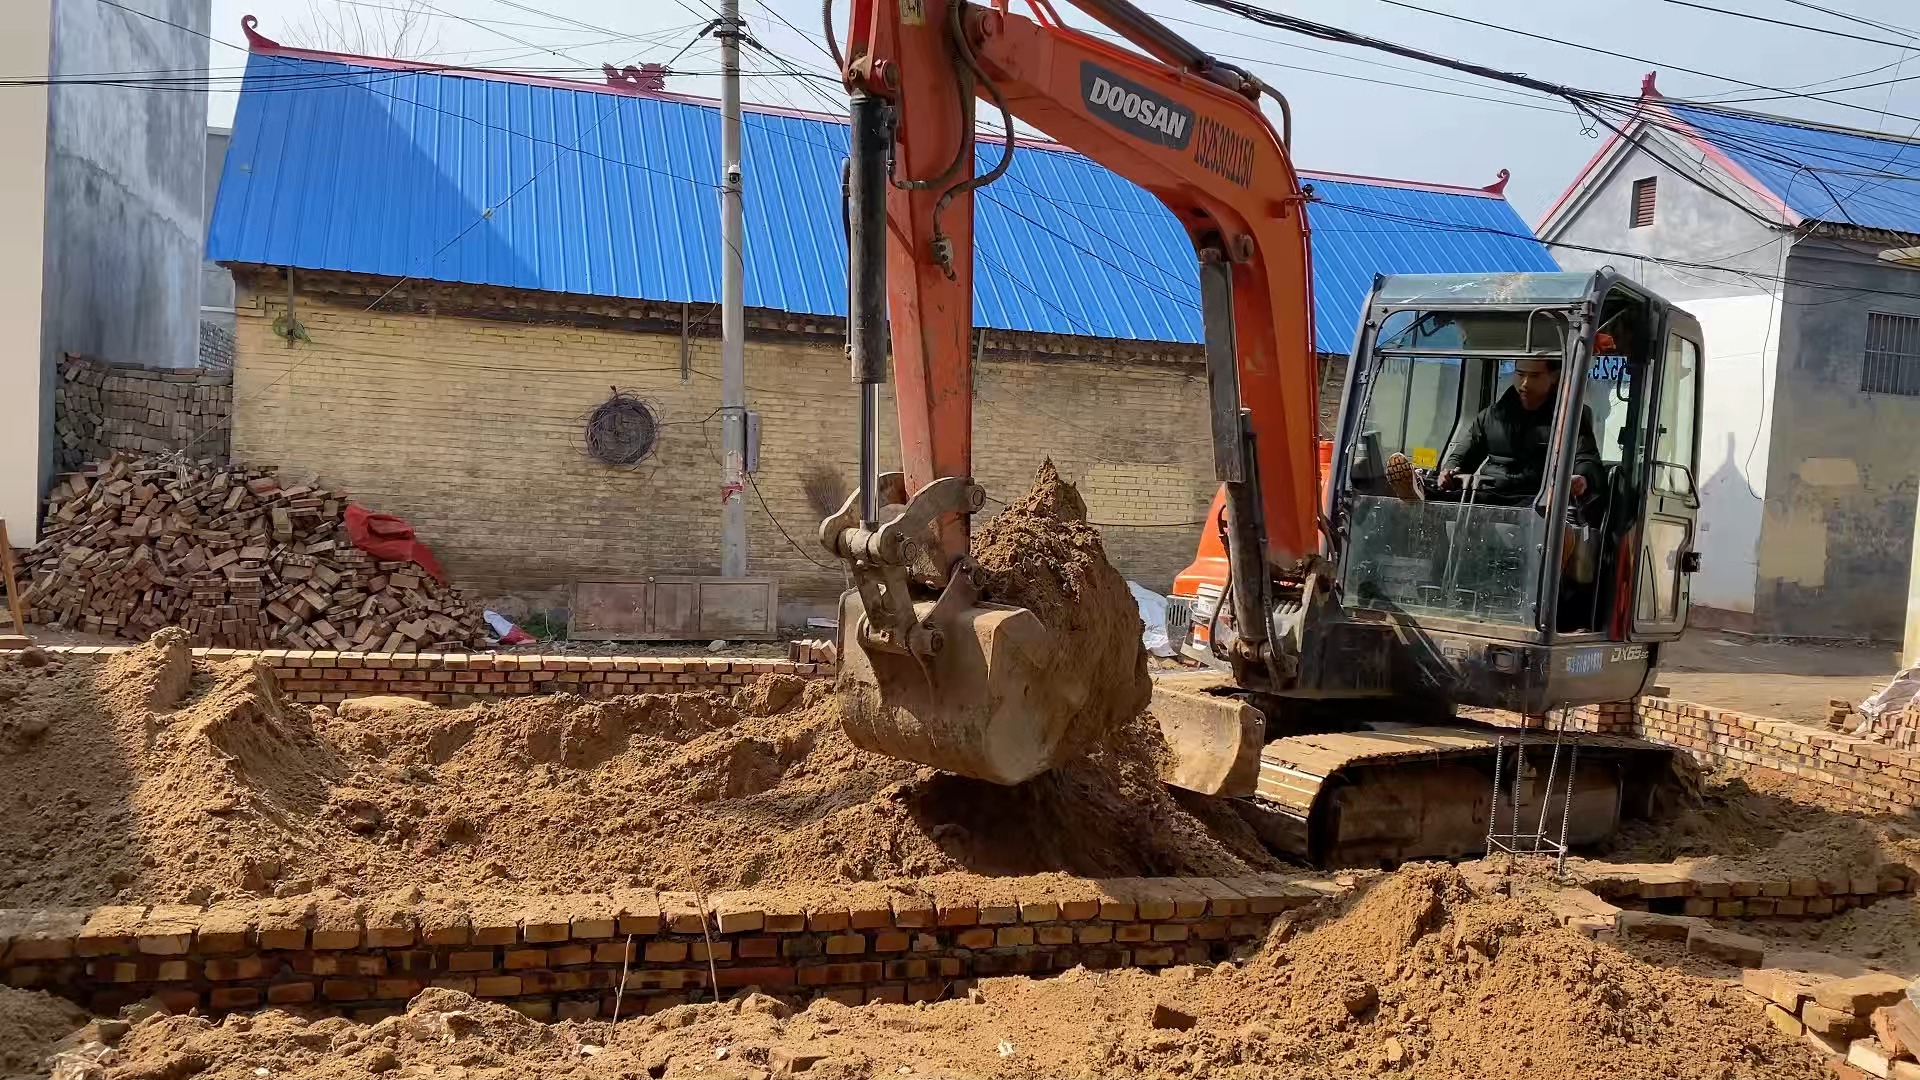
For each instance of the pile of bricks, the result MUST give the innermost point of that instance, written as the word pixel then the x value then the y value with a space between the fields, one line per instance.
pixel 563 956
pixel 1865 1019
pixel 1587 913
pixel 813 651
pixel 1733 893
pixel 228 554
pixel 100 408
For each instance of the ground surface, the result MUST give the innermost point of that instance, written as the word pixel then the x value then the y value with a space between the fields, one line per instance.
pixel 1779 679
pixel 556 647
pixel 1418 975
pixel 147 776
pixel 1769 827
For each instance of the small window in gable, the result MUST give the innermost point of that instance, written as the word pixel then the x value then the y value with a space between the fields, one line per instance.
pixel 1643 199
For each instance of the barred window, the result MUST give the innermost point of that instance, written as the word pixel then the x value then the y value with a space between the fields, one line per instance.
pixel 1892 363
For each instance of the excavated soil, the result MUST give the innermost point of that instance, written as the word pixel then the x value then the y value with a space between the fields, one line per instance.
pixel 152 777
pixel 1040 553
pixel 1738 821
pixel 30 1024
pixel 1419 976
pixel 1884 935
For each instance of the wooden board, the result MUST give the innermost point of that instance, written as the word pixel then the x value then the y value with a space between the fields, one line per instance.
pixel 675 609
pixel 16 609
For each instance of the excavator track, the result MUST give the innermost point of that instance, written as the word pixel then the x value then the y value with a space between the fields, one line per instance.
pixel 1392 793
pixel 1385 792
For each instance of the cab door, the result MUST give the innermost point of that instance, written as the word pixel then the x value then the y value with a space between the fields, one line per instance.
pixel 1669 524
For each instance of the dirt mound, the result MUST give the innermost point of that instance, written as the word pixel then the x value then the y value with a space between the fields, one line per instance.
pixel 1420 972
pixel 1041 554
pixel 235 792
pixel 1741 822
pixel 30 1024
pixel 1884 935
pixel 1105 814
pixel 1418 977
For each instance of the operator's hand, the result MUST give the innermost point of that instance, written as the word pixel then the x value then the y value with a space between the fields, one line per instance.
pixel 1447 477
pixel 1579 486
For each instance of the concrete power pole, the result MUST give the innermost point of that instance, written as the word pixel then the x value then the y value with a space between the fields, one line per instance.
pixel 733 353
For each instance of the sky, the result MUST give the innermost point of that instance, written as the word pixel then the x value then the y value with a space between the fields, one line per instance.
pixel 1354 111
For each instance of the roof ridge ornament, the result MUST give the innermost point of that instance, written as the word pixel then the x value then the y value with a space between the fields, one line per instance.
pixel 1499 186
pixel 1647 87
pixel 255 39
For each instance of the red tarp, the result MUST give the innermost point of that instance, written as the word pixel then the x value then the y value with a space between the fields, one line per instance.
pixel 390 539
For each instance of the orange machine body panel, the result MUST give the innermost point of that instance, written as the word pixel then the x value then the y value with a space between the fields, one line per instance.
pixel 1209 566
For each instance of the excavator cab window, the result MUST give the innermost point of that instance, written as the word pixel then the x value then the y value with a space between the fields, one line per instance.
pixel 1448 485
pixel 1411 545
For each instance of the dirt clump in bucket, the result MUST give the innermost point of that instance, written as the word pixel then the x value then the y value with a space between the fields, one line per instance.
pixel 1041 553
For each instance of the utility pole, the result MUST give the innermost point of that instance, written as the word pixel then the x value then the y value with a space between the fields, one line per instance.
pixel 733 352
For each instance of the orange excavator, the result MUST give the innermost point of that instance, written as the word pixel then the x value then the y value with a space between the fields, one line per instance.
pixel 1347 628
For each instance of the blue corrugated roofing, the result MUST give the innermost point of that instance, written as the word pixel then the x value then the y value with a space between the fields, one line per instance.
pixel 1823 174
pixel 487 180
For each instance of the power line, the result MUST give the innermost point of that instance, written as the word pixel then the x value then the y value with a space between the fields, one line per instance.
pixel 1568 43
pixel 1838 14
pixel 1782 22
pixel 1461 227
pixel 1303 48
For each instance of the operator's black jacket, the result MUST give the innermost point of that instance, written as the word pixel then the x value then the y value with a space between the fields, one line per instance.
pixel 1508 443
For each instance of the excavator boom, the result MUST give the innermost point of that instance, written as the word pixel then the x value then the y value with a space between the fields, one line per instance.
pixel 1178 124
pixel 930 672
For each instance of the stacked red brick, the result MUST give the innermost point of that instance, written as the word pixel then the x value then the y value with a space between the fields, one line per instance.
pixel 1730 892
pixel 1856 773
pixel 576 956
pixel 133 544
pixel 1864 1019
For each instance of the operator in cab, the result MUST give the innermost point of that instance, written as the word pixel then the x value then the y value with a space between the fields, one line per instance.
pixel 1507 442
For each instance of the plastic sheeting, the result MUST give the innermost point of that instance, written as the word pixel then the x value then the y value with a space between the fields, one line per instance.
pixel 1153 618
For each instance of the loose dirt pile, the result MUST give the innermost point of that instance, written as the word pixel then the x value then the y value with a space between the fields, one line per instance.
pixel 1735 820
pixel 1884 935
pixel 152 777
pixel 1041 554
pixel 30 1024
pixel 1418 977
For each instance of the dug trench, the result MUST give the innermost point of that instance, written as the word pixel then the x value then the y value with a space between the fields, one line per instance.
pixel 153 778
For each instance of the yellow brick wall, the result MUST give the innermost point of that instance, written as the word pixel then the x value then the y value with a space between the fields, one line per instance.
pixel 471 429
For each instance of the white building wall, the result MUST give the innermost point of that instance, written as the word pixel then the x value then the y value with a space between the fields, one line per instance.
pixel 1742 346
pixel 25 411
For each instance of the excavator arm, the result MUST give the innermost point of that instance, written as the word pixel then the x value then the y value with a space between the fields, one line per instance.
pixel 1180 125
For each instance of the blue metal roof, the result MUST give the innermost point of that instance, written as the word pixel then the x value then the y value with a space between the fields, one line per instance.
pixel 520 183
pixel 1823 174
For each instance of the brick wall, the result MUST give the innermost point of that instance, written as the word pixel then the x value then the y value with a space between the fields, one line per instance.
pixel 1844 772
pixel 101 407
pixel 325 677
pixel 470 425
pixel 216 343
pixel 564 956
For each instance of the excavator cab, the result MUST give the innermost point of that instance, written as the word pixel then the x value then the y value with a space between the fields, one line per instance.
pixel 1467 568
pixel 1467 573
pixel 1528 558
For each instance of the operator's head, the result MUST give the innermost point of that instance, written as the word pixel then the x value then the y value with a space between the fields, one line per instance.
pixel 1534 378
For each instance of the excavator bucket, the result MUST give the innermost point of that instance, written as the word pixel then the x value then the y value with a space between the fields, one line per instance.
pixel 993 702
